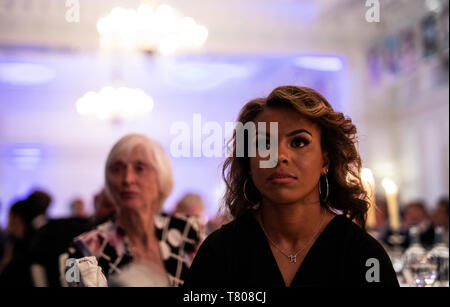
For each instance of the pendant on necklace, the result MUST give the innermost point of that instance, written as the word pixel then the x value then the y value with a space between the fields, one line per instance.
pixel 292 258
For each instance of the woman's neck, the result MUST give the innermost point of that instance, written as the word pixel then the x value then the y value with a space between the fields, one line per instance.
pixel 138 226
pixel 293 224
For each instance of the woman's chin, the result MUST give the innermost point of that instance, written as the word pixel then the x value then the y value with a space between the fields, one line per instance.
pixel 130 204
pixel 282 197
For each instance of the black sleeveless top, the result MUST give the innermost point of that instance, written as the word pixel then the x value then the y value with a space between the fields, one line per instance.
pixel 238 255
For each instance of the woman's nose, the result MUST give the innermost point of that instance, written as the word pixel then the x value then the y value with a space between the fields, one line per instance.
pixel 129 176
pixel 283 156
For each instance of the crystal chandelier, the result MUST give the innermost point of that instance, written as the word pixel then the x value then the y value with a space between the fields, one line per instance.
pixel 115 104
pixel 162 30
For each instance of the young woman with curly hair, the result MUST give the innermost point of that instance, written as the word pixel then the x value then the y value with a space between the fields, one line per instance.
pixel 300 221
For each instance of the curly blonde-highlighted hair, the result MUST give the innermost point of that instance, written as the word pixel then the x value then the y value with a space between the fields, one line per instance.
pixel 338 139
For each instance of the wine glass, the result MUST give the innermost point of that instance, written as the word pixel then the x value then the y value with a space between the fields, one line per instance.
pixel 425 273
pixel 418 269
pixel 438 256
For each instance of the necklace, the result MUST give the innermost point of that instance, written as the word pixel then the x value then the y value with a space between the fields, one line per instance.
pixel 292 257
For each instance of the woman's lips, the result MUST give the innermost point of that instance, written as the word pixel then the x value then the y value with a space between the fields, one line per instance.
pixel 281 178
pixel 128 195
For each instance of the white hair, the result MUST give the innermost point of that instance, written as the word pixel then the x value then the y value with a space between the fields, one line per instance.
pixel 156 156
pixel 191 200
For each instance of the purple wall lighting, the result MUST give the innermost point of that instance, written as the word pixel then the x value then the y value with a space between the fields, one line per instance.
pixel 42 115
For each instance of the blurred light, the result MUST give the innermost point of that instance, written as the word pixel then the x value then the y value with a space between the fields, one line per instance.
pixel 162 30
pixel 111 104
pixel 25 73
pixel 389 186
pixel 433 5
pixel 367 176
pixel 27 152
pixel 203 75
pixel 27 158
pixel 322 63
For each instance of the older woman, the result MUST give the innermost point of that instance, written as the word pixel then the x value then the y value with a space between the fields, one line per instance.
pixel 294 222
pixel 142 246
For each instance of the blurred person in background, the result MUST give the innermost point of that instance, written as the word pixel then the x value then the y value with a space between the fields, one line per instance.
pixel 415 214
pixel 142 247
pixel 412 214
pixel 15 263
pixel 300 221
pixel 193 206
pixel 26 218
pixel 48 238
pixel 37 214
pixel 440 217
pixel 104 208
pixel 78 208
pixel 48 243
pixel 53 239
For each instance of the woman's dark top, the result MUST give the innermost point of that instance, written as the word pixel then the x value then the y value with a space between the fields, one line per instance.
pixel 238 255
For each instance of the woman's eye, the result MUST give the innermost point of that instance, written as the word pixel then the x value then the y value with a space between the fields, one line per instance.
pixel 115 169
pixel 299 142
pixel 140 168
